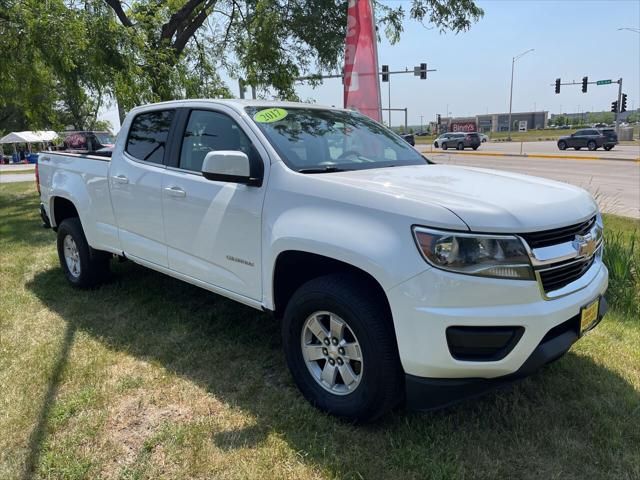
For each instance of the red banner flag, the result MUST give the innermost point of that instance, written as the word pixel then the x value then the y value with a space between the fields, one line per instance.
pixel 361 81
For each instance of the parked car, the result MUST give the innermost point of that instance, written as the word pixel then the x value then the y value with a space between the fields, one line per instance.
pixel 408 137
pixel 460 141
pixel 394 278
pixel 590 138
pixel 87 141
pixel 483 138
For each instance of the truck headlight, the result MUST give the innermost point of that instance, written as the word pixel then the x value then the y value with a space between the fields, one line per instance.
pixel 499 256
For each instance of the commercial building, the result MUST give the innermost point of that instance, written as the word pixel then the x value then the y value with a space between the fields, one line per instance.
pixel 495 122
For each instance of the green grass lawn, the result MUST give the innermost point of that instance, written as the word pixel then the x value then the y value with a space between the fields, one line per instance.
pixel 148 377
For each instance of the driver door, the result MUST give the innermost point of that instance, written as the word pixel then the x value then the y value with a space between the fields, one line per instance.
pixel 213 228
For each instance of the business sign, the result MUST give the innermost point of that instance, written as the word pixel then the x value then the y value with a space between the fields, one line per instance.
pixel 361 81
pixel 463 127
pixel 522 126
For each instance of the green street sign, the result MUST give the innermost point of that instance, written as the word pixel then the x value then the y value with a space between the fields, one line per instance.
pixel 603 82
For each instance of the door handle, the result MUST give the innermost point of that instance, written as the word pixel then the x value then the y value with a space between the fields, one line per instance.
pixel 175 191
pixel 120 179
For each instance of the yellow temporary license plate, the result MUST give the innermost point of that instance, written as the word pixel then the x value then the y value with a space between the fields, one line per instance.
pixel 588 315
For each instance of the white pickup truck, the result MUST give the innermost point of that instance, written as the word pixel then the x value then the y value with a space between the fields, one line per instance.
pixel 396 279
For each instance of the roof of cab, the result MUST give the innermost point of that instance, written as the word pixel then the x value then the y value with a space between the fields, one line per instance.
pixel 236 103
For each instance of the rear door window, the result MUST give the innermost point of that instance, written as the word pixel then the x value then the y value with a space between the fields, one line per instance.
pixel 148 135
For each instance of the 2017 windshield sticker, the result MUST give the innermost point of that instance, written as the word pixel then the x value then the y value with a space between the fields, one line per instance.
pixel 270 115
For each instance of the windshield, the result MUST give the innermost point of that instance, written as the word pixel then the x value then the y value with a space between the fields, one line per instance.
pixel 105 138
pixel 314 141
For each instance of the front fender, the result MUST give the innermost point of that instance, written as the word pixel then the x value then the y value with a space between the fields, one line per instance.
pixel 382 247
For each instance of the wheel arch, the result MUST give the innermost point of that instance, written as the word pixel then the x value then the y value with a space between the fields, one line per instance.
pixel 288 275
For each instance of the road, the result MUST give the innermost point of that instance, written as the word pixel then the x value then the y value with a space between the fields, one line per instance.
pixel 615 184
pixel 619 151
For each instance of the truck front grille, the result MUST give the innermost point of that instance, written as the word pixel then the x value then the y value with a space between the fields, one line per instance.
pixel 558 276
pixel 557 235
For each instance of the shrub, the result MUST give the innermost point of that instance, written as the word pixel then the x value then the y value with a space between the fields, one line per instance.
pixel 622 258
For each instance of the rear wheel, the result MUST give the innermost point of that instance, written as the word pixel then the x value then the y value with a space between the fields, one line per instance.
pixel 460 146
pixel 475 148
pixel 445 146
pixel 608 147
pixel 83 266
pixel 562 145
pixel 340 348
pixel 592 145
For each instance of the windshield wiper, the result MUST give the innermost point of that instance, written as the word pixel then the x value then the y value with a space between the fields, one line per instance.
pixel 327 169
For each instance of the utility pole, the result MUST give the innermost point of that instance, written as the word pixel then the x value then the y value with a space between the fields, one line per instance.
pixel 421 123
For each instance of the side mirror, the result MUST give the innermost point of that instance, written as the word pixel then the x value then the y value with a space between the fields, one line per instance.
pixel 228 166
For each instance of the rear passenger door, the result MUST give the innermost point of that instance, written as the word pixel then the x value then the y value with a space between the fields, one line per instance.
pixel 213 228
pixel 135 180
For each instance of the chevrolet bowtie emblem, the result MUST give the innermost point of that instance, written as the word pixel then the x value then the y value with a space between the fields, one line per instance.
pixel 585 245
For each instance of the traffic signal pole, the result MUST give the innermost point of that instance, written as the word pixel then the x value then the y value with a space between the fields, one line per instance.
pixel 619 106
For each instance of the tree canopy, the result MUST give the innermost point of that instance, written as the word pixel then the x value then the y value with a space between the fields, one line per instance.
pixel 66 58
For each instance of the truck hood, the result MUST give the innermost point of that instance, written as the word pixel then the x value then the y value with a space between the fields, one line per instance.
pixel 486 200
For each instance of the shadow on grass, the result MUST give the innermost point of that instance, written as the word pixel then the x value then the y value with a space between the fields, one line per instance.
pixel 574 419
pixel 21 224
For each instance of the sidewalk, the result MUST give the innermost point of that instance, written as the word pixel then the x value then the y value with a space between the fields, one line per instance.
pixel 19 167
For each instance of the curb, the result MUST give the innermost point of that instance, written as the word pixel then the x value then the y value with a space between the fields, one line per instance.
pixel 533 155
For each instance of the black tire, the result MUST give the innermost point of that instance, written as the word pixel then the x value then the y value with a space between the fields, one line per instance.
pixel 484 140
pixel 562 145
pixel 460 146
pixel 435 144
pixel 475 148
pixel 445 146
pixel 591 145
pixel 93 264
pixel 608 147
pixel 347 296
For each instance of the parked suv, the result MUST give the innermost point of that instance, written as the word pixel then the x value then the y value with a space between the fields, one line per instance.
pixel 458 140
pixel 590 138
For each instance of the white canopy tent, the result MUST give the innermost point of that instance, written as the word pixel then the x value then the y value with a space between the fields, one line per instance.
pixel 29 137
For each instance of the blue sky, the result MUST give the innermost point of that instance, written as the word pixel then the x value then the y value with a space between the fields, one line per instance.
pixel 571 38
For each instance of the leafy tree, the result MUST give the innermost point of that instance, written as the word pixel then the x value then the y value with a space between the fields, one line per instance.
pixel 65 58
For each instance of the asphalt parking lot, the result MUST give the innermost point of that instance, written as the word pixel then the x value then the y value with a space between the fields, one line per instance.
pixel 616 184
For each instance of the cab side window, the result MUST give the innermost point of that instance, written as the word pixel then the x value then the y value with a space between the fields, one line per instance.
pixel 148 136
pixel 208 131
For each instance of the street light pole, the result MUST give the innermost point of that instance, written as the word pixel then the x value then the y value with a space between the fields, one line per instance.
pixel 513 63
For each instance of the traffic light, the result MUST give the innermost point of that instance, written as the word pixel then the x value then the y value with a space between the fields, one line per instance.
pixel 585 80
pixel 557 85
pixel 385 73
pixel 623 107
pixel 423 71
pixel 438 119
pixel 614 106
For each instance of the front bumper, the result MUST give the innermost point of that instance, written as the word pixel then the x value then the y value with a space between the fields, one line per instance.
pixel 432 393
pixel 427 305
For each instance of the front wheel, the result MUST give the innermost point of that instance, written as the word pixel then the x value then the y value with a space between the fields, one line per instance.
pixel 435 144
pixel 475 148
pixel 562 145
pixel 341 349
pixel 592 145
pixel 608 147
pixel 460 146
pixel 83 266
pixel 444 146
